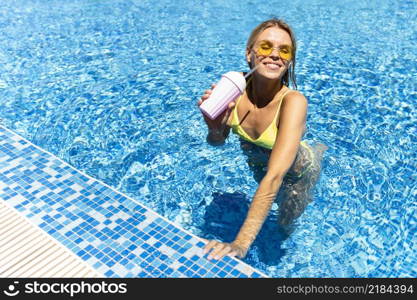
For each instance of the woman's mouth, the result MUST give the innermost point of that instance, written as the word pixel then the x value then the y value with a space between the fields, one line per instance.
pixel 272 66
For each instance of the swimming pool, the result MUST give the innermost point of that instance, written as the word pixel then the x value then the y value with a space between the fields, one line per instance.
pixel 110 87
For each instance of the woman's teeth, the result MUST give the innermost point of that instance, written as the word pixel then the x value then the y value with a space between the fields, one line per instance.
pixel 272 66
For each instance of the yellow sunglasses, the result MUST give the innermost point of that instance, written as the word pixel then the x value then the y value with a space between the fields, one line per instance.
pixel 265 48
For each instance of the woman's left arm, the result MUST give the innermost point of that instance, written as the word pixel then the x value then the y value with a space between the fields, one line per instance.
pixel 291 127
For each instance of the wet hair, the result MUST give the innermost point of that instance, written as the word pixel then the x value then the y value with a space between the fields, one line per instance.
pixel 289 75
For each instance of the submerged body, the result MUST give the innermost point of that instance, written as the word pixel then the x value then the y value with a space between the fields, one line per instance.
pixel 301 176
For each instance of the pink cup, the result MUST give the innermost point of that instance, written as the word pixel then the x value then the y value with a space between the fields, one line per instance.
pixel 231 85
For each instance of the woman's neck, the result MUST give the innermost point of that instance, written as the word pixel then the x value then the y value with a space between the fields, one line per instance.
pixel 264 90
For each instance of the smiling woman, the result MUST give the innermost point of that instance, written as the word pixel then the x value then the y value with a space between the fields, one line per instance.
pixel 269 116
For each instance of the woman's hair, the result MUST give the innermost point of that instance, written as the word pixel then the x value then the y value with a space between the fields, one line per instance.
pixel 289 75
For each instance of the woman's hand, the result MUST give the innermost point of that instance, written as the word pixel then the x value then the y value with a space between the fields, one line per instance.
pixel 217 125
pixel 219 250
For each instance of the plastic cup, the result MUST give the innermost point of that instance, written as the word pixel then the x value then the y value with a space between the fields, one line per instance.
pixel 231 85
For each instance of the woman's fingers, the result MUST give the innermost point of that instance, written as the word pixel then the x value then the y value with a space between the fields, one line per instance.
pixel 232 253
pixel 219 250
pixel 209 246
pixel 225 251
pixel 205 96
pixel 213 245
pixel 230 108
pixel 228 112
pixel 216 250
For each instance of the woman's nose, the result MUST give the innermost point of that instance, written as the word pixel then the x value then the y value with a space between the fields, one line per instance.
pixel 275 53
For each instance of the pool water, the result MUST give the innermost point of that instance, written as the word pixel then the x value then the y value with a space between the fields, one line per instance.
pixel 111 88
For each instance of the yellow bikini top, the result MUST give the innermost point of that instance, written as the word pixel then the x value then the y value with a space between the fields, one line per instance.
pixel 267 138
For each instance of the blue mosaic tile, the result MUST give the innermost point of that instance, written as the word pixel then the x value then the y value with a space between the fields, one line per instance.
pixel 115 234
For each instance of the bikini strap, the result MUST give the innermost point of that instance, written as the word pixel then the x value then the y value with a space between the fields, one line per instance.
pixel 279 105
pixel 238 99
pixel 234 112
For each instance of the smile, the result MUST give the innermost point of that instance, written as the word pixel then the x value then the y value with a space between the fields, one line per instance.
pixel 272 66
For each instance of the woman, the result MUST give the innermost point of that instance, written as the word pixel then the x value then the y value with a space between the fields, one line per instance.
pixel 270 120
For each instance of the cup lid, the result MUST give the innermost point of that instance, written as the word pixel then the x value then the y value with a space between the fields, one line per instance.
pixel 237 78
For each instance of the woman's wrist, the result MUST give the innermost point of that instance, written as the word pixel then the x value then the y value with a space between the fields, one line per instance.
pixel 215 137
pixel 215 131
pixel 243 249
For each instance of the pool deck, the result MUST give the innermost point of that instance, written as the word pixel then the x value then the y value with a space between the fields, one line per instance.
pixel 100 231
pixel 27 251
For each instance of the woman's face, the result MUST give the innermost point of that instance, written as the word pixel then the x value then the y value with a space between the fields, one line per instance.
pixel 271 66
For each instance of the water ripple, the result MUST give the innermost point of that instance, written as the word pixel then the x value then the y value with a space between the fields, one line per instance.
pixel 111 87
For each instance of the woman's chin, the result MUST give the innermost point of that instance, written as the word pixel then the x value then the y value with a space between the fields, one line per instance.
pixel 270 74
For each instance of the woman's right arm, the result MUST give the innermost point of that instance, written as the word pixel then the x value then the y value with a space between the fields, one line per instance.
pixel 218 129
pixel 217 137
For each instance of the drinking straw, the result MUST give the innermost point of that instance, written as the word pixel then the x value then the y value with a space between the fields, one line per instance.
pixel 251 71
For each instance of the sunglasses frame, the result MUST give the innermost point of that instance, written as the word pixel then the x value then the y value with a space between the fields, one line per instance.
pixel 272 50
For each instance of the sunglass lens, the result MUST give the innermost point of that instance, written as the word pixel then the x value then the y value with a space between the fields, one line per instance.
pixel 285 53
pixel 264 49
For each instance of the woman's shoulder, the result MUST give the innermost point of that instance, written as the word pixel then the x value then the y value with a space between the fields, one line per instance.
pixel 293 104
pixel 294 96
pixel 293 101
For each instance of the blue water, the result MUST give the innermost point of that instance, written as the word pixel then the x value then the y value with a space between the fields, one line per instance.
pixel 111 87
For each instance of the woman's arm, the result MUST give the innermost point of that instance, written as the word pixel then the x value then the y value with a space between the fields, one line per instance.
pixel 217 137
pixel 291 127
